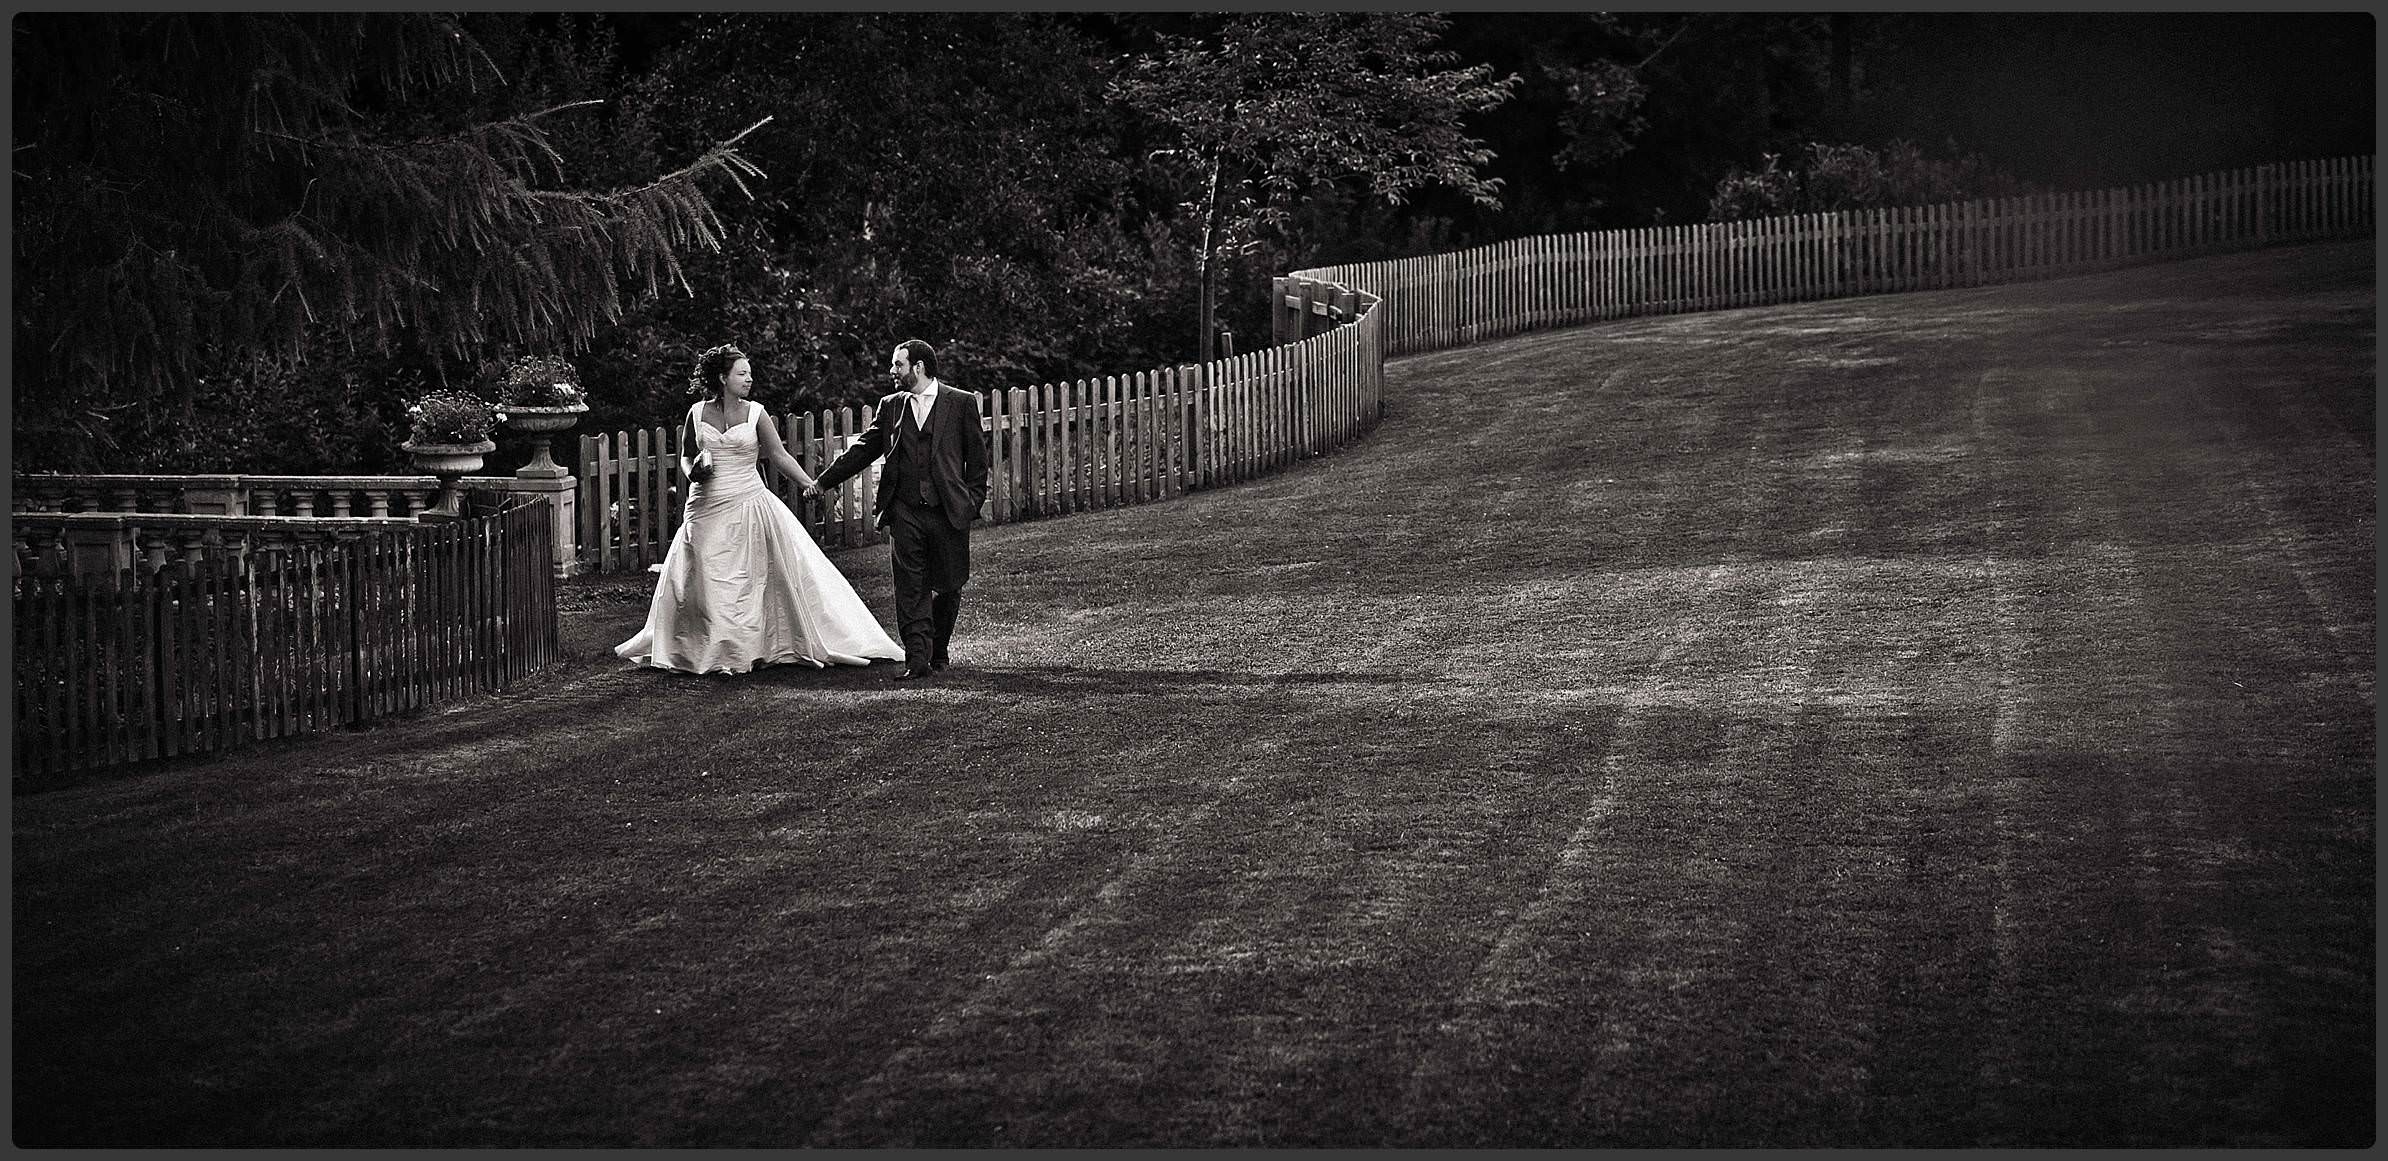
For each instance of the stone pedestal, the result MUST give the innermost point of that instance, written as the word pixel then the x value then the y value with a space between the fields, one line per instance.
pixel 563 494
pixel 563 510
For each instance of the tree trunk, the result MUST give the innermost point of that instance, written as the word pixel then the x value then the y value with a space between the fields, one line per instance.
pixel 1210 227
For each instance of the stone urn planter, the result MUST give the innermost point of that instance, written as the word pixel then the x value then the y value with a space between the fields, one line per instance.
pixel 541 424
pixel 448 461
pixel 457 458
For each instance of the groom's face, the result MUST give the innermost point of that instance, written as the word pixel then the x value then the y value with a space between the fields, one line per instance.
pixel 901 370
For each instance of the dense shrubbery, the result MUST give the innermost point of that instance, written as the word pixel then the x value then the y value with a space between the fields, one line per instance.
pixel 1822 178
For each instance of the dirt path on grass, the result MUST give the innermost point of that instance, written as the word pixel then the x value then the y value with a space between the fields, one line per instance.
pixel 1932 719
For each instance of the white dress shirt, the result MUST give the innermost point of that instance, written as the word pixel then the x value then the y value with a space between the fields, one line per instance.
pixel 921 402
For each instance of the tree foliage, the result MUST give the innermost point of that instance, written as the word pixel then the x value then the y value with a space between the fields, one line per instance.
pixel 1823 178
pixel 245 242
pixel 1271 106
pixel 219 193
pixel 1627 119
pixel 946 177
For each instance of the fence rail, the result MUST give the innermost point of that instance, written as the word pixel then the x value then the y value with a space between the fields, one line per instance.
pixel 1438 301
pixel 206 654
pixel 1054 448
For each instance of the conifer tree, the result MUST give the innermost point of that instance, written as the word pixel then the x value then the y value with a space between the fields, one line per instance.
pixel 196 190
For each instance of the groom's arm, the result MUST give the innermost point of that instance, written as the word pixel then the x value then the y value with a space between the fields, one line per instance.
pixel 872 445
pixel 974 456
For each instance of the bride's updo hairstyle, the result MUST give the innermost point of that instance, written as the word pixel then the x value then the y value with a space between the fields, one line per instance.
pixel 711 366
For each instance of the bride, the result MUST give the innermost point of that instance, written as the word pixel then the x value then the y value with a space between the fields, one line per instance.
pixel 744 585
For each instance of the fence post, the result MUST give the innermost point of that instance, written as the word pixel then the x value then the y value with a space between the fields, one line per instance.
pixel 354 599
pixel 2263 205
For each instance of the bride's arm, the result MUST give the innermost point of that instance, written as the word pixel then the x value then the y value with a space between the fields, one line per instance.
pixel 772 447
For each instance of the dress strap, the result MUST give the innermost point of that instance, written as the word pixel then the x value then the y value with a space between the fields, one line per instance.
pixel 754 411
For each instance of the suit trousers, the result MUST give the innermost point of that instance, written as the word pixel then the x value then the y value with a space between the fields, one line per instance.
pixel 932 563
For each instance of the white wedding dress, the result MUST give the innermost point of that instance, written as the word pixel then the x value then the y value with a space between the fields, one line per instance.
pixel 744 584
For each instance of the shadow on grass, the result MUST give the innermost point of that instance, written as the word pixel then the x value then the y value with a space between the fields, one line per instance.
pixel 1049 679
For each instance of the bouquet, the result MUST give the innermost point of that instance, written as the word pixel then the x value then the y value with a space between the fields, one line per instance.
pixel 541 381
pixel 451 419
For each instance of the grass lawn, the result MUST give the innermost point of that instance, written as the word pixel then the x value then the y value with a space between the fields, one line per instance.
pixel 1942 719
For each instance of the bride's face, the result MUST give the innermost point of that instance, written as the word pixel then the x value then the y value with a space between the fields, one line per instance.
pixel 740 382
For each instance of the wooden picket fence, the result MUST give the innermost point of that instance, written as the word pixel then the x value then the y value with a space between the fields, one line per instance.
pixel 1439 301
pixel 1100 443
pixel 1054 448
pixel 201 656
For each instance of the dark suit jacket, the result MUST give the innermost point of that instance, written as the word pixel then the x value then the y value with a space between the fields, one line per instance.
pixel 957 444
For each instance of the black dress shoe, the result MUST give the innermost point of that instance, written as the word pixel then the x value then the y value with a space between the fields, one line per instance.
pixel 911 673
pixel 939 662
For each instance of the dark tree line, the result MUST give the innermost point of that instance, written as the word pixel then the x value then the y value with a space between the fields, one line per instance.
pixel 244 242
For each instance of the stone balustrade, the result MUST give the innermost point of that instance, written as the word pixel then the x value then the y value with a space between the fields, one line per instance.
pixel 98 543
pixel 228 500
pixel 228 495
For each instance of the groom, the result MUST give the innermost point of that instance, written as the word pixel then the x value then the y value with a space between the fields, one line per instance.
pixel 929 492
